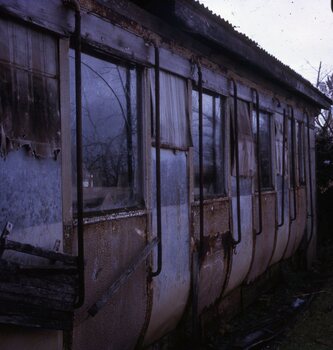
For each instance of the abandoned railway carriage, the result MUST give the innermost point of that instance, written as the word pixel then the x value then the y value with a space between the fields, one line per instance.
pixel 154 162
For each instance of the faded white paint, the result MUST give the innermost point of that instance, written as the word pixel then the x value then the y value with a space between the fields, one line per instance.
pixel 31 199
pixel 171 288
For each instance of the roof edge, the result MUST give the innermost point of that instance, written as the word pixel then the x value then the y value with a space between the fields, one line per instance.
pixel 202 22
pixel 198 21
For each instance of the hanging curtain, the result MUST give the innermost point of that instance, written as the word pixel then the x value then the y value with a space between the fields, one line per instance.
pixel 247 163
pixel 174 113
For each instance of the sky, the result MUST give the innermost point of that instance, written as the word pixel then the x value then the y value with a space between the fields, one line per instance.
pixel 297 32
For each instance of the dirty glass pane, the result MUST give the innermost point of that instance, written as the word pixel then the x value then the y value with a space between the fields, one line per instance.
pixel 30 171
pixel 278 127
pixel 300 145
pixel 173 110
pixel 212 144
pixel 245 140
pixel 110 135
pixel 264 149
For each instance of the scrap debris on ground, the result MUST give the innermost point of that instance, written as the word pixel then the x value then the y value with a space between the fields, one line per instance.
pixel 296 314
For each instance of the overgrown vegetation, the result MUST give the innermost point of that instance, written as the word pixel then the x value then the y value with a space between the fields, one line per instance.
pixel 324 162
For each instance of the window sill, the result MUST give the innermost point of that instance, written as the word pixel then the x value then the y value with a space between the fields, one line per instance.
pixel 212 200
pixel 267 192
pixel 121 214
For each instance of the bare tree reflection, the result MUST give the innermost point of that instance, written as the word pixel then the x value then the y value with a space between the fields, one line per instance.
pixel 109 134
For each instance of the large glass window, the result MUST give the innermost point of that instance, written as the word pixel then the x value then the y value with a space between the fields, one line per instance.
pixel 111 176
pixel 212 144
pixel 264 147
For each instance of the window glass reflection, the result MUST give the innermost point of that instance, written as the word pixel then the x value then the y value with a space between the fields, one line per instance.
pixel 212 144
pixel 110 134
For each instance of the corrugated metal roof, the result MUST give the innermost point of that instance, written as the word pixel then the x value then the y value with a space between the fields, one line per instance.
pixel 229 26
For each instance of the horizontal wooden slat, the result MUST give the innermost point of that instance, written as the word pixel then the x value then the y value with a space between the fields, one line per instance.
pixel 58 291
pixel 95 31
pixel 18 313
pixel 52 16
pixel 51 304
pixel 53 286
pixel 36 251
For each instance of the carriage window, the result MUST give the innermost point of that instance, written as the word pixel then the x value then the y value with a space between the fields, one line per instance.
pixel 300 145
pixel 264 148
pixel 174 125
pixel 212 144
pixel 110 135
pixel 245 140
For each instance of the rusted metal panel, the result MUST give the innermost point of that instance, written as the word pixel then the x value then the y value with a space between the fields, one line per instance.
pixel 110 246
pixel 282 233
pixel 213 269
pixel 265 242
pixel 243 252
pixel 171 287
pixel 293 228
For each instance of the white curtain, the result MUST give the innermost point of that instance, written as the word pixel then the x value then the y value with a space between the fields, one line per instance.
pixel 247 161
pixel 173 109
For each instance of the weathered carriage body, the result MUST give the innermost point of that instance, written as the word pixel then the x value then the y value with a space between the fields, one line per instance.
pixel 168 88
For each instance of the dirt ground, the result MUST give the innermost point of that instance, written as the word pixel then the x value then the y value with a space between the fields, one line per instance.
pixel 314 328
pixel 295 314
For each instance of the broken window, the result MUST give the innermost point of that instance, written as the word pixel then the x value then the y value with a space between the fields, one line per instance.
pixel 264 148
pixel 111 127
pixel 213 148
pixel 173 110
pixel 30 168
pixel 300 145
